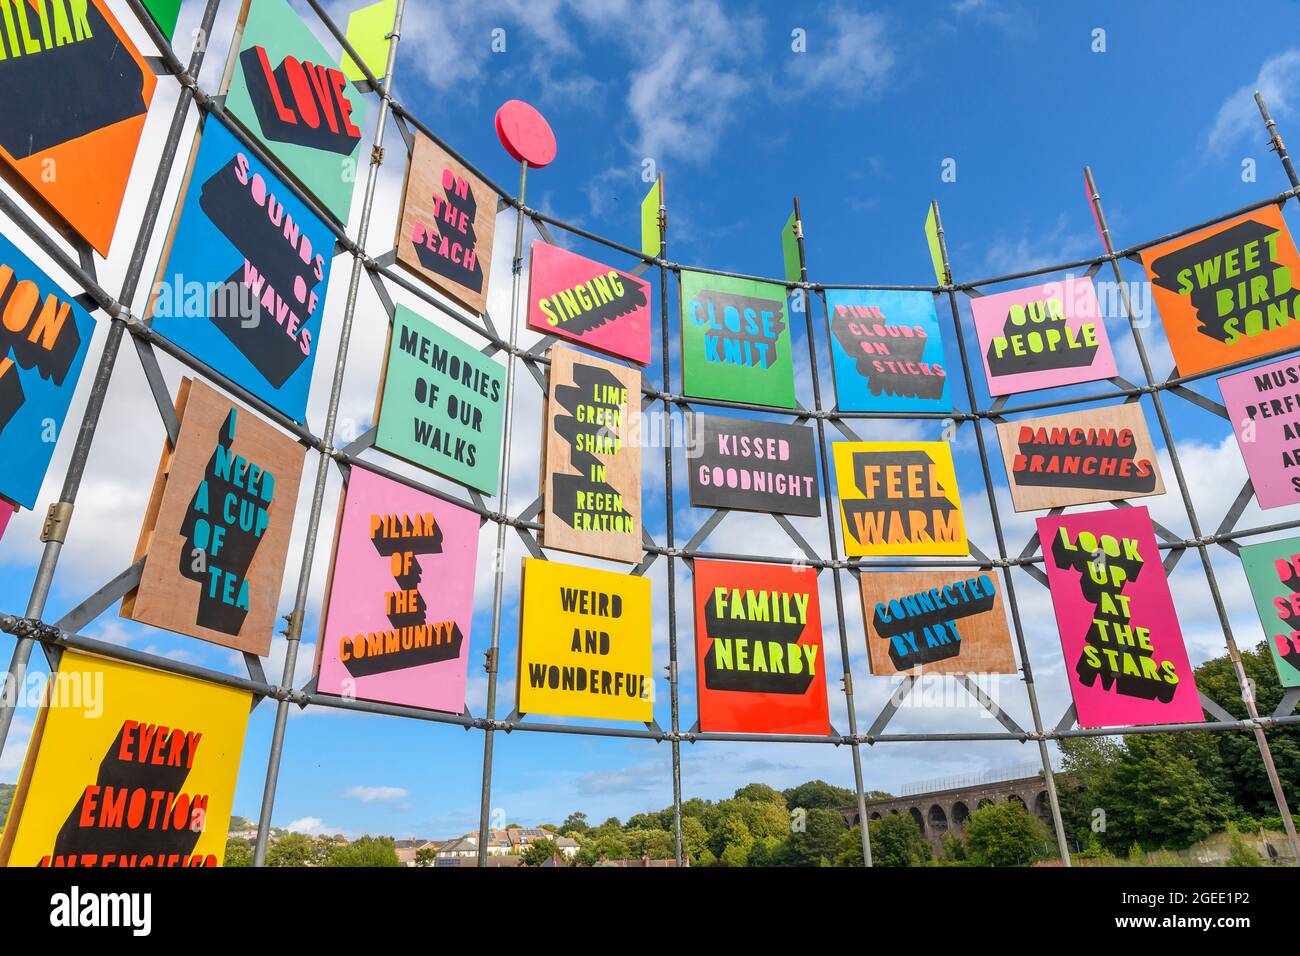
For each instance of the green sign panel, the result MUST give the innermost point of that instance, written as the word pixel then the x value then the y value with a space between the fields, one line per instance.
pixel 165 13
pixel 441 404
pixel 1273 571
pixel 369 31
pixel 736 340
pixel 290 94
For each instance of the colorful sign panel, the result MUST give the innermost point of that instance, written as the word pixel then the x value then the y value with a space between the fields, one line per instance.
pixel 400 599
pixel 216 532
pixel 369 31
pixel 77 92
pixel 1273 572
pixel 584 643
pixel 1042 336
pixel 1102 454
pixel 588 302
pixel 287 91
pixel 243 281
pixel 887 352
pixel 1124 651
pixel 440 404
pixel 1229 292
pixel 7 510
pixel 759 660
pixel 736 340
pixel 749 465
pixel 44 338
pixel 1264 407
pixel 448 219
pixel 935 622
pixel 165 13
pixel 899 498
pixel 127 767
pixel 592 465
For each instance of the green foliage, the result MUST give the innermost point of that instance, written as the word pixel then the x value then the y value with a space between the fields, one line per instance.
pixel 761 793
pixel 575 822
pixel 818 794
pixel 239 852
pixel 896 840
pixel 816 842
pixel 6 798
pixel 1004 834
pixel 426 857
pixel 295 849
pixel 367 851
pixel 952 848
pixel 539 852
pixel 1240 852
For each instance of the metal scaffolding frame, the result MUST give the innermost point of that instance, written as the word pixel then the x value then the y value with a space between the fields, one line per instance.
pixel 31 629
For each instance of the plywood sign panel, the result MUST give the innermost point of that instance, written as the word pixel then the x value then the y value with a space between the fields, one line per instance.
pixel 759 659
pixel 736 340
pixel 1042 336
pixel 1229 292
pixel 1124 651
pixel 887 352
pixel 1264 407
pixel 592 465
pixel 217 529
pixel 77 92
pixel 127 767
pixel 44 337
pixel 750 465
pixel 587 302
pixel 244 275
pixel 448 219
pixel 935 622
pixel 1102 454
pixel 401 597
pixel 1273 572
pixel 441 403
pixel 287 91
pixel 584 643
pixel 899 498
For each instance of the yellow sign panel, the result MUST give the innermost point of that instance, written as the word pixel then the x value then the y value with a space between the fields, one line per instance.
pixel 899 498
pixel 127 767
pixel 584 643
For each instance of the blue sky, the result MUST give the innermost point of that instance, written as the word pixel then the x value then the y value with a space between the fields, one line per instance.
pixel 859 126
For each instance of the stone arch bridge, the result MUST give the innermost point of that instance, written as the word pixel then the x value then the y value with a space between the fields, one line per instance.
pixel 938 810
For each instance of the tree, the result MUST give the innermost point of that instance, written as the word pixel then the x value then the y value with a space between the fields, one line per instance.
pixel 295 849
pixel 1004 834
pixel 539 852
pixel 896 840
pixel 695 842
pixel 575 822
pixel 367 851
pixel 818 794
pixel 426 857
pixel 815 843
pixel 239 852
pixel 1165 791
pixel 1240 853
pixel 760 793
pixel 654 843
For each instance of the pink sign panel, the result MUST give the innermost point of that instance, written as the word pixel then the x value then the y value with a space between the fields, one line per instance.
pixel 1264 407
pixel 589 303
pixel 1042 336
pixel 400 599
pixel 7 510
pixel 1124 651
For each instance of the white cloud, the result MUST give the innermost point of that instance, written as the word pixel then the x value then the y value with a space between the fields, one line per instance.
pixel 312 826
pixel 376 794
pixel 1239 116
pixel 854 61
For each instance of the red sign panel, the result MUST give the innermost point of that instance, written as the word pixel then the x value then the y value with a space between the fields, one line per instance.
pixel 589 303
pixel 759 661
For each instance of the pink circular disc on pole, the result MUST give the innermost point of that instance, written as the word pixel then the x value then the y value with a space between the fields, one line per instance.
pixel 525 134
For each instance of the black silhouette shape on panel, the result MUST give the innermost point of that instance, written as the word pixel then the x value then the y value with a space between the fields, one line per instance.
pixel 736 335
pixel 126 798
pixel 413 642
pixel 64 91
pixel 772 639
pixel 890 358
pixel 1047 318
pixel 450 246
pixel 317 123
pixel 876 519
pixel 227 547
pixel 1102 459
pixel 601 390
pixel 590 304
pixel 1110 637
pixel 1203 263
pixel 259 308
pixel 921 630
pixel 47 340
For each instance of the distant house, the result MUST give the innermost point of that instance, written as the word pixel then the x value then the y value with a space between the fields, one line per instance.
pixel 522 838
